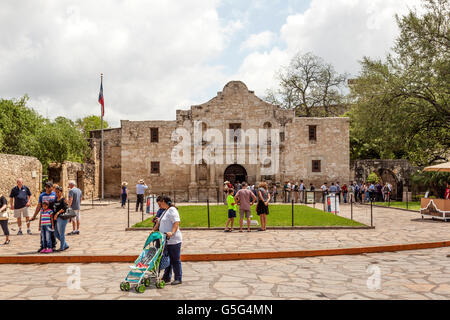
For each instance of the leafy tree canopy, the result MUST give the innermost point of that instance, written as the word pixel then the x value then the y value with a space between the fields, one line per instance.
pixel 401 105
pixel 90 123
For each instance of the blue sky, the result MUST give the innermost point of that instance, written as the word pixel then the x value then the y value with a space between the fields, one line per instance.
pixel 160 56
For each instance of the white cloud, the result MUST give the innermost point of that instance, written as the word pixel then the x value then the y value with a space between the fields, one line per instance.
pixel 154 54
pixel 340 31
pixel 260 40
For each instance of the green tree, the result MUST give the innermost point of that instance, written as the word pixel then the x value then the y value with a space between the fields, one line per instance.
pixel 18 126
pixel 24 132
pixel 401 105
pixel 309 84
pixel 90 123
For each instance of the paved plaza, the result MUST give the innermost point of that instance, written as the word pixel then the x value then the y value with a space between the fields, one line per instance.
pixel 103 233
pixel 422 274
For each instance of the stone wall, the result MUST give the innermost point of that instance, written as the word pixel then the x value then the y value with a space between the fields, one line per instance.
pixel 29 169
pixel 331 147
pixel 396 172
pixel 112 144
pixel 129 151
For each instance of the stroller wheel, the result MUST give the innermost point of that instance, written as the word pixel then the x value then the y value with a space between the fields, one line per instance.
pixel 125 286
pixel 160 284
pixel 140 288
pixel 147 282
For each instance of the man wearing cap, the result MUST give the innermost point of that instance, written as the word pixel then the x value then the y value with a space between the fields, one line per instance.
pixel 50 196
pixel 140 190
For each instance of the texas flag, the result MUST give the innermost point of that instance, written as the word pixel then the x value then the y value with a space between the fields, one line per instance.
pixel 100 98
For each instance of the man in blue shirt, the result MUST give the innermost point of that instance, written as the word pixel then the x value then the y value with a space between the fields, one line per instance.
pixel 20 201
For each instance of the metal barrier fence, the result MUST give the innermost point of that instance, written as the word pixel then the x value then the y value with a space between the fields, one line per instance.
pixel 318 199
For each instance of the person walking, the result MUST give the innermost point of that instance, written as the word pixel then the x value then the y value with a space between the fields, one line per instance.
pixel 245 199
pixel 4 217
pixel 60 207
pixel 74 203
pixel 262 208
pixel 20 201
pixel 140 191
pixel 169 224
pixel 124 193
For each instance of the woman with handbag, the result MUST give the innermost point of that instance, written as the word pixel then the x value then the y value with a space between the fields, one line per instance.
pixel 169 224
pixel 60 208
pixel 4 217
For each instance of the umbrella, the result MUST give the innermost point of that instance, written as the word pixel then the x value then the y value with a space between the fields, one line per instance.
pixel 443 167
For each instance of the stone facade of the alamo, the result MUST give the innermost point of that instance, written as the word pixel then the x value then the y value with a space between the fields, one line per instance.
pixel 310 149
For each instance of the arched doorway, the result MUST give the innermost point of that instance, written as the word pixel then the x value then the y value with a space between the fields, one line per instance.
pixel 235 173
pixel 387 176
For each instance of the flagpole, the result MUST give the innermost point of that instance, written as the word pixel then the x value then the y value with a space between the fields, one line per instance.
pixel 103 158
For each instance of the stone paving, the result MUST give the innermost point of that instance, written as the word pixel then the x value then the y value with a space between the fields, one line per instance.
pixel 103 233
pixel 422 274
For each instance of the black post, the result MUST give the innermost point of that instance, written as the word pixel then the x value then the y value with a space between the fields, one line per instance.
pixel 142 212
pixel 154 200
pixel 335 208
pixel 128 212
pixel 92 199
pixel 314 201
pixel 174 197
pixel 351 208
pixel 292 212
pixel 207 205
pixel 371 212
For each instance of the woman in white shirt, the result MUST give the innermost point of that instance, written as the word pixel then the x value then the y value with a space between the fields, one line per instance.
pixel 169 223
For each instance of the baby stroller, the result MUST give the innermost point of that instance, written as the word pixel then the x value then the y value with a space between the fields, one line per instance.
pixel 148 265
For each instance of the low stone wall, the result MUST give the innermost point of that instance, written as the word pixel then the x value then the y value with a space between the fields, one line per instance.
pixel 29 169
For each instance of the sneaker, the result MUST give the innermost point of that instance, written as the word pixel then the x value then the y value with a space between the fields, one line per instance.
pixel 40 250
pixel 19 233
pixel 66 248
pixel 76 232
pixel 29 231
pixel 49 251
pixel 70 233
pixel 43 251
pixel 176 282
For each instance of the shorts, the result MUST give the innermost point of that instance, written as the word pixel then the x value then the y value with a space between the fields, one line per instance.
pixel 244 213
pixel 261 208
pixel 231 213
pixel 18 213
pixel 77 217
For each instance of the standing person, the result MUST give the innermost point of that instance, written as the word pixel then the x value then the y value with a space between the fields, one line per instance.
pixel 20 201
pixel 274 193
pixel 60 207
pixel 245 199
pixel 140 191
pixel 232 208
pixel 351 192
pixel 379 192
pixel 295 191
pixel 338 191
pixel 49 196
pixel 75 195
pixel 124 193
pixel 302 190
pixel 4 221
pixel 46 226
pixel 344 192
pixel 169 223
pixel 262 208
pixel 324 188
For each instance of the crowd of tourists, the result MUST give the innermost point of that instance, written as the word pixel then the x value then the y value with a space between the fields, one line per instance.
pixel 54 212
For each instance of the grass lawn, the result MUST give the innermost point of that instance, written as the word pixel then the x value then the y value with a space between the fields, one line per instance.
pixel 279 215
pixel 415 205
